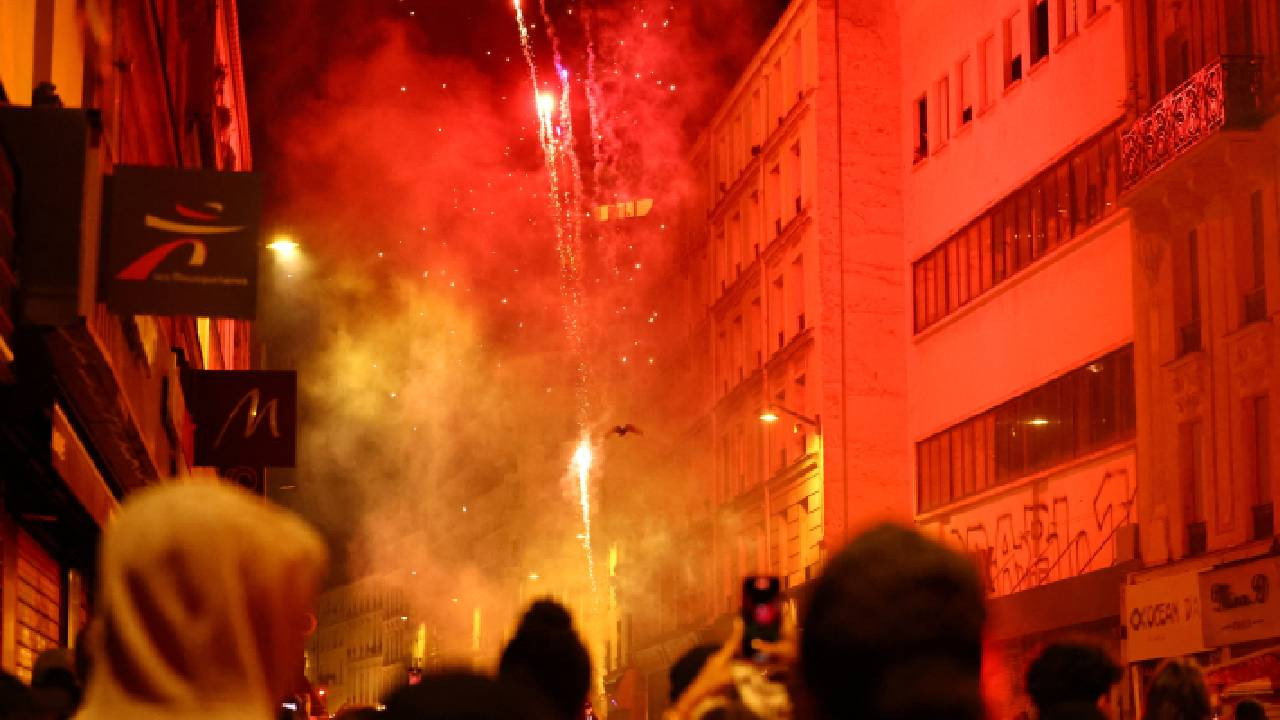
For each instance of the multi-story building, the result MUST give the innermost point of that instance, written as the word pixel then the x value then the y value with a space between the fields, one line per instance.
pixel 1201 180
pixel 366 641
pixel 1021 365
pixel 793 423
pixel 91 405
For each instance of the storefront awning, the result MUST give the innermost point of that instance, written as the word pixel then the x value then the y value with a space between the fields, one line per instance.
pixel 1065 603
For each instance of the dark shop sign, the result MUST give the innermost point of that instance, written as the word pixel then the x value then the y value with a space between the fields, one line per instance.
pixel 243 418
pixel 182 242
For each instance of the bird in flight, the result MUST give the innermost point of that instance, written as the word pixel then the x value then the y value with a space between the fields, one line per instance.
pixel 623 431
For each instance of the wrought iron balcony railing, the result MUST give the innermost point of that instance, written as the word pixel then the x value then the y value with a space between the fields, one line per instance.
pixel 1226 94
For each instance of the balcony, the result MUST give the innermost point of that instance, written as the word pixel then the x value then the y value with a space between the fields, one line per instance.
pixel 1224 95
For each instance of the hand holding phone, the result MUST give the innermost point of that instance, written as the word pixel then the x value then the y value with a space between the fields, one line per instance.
pixel 761 614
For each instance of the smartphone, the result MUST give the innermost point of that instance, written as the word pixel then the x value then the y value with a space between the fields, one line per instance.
pixel 761 613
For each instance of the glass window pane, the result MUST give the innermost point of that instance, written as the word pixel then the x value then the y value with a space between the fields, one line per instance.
pixel 1035 227
pixel 985 258
pixel 1109 170
pixel 918 286
pixel 974 273
pixel 1063 203
pixel 1023 203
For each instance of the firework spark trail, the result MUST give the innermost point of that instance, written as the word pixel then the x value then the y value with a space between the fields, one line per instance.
pixel 558 150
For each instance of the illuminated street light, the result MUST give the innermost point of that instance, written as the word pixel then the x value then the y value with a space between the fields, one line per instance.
pixel 533 576
pixel 285 247
pixel 771 415
pixel 1039 422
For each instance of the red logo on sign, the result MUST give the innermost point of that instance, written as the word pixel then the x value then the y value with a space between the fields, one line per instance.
pixel 141 268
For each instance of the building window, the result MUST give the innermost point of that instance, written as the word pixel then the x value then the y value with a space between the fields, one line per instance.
pixel 777 103
pixel 1068 19
pixel 1187 289
pixel 988 71
pixel 1040 30
pixel 1056 206
pixel 798 286
pixel 1012 49
pixel 943 94
pixel 1255 274
pixel 964 90
pixel 921 129
pixel 773 197
pixel 797 65
pixel 797 178
pixel 777 324
pixel 1190 469
pixel 1085 410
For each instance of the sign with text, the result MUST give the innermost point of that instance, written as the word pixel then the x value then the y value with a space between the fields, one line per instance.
pixel 1163 617
pixel 182 242
pixel 1240 602
pixel 243 418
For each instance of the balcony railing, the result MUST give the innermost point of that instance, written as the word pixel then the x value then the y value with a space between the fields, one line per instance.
pixel 1226 94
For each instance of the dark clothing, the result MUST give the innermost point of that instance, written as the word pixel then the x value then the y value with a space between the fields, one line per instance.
pixel 1073 711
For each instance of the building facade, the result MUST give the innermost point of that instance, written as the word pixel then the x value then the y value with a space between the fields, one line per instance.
pixel 790 350
pixel 1022 405
pixel 1080 222
pixel 1200 179
pixel 91 403
pixel 365 643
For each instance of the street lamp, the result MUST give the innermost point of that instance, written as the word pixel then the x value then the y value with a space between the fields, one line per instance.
pixel 771 415
pixel 284 246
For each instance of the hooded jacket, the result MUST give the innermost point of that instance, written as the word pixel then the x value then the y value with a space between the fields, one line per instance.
pixel 203 595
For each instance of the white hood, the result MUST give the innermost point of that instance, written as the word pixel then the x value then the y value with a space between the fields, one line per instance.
pixel 203 595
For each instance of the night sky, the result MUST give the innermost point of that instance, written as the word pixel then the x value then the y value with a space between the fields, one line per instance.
pixel 398 143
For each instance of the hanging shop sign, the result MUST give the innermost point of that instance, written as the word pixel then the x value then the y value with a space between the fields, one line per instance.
pixel 1163 617
pixel 182 242
pixel 243 419
pixel 1240 602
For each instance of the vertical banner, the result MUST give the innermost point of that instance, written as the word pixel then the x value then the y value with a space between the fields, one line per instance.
pixel 182 242
pixel 243 419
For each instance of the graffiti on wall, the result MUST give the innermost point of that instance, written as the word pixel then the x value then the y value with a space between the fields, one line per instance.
pixel 1051 529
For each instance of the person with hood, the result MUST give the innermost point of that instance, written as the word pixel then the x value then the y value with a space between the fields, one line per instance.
pixel 203 591
pixel 547 656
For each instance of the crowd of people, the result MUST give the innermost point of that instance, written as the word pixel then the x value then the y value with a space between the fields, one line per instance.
pixel 202 591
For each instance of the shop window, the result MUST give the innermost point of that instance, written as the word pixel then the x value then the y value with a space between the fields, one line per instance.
pixel 38 610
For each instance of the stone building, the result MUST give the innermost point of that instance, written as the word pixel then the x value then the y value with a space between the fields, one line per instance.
pixel 91 403
pixel 790 341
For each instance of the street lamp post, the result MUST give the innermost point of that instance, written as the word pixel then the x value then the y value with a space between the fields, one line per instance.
pixel 771 415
